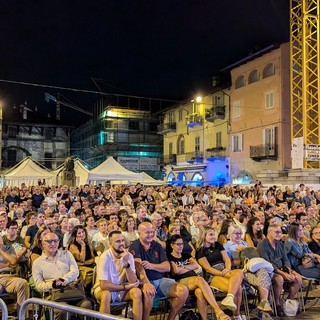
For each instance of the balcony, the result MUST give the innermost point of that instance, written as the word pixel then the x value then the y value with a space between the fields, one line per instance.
pixel 217 152
pixel 194 157
pixel 164 128
pixel 263 152
pixel 170 159
pixel 218 112
pixel 194 119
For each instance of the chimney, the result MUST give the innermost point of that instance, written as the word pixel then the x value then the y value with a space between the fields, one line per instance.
pixel 25 113
pixel 215 81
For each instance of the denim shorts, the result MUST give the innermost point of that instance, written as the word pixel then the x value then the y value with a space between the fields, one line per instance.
pixel 163 286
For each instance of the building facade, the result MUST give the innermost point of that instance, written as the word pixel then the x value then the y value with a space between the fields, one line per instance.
pixel 127 134
pixel 25 132
pixel 259 140
pixel 195 140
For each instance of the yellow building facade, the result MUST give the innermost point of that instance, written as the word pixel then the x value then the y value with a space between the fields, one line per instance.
pixel 196 140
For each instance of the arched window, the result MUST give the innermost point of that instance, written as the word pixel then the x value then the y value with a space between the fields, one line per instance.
pixel 239 82
pixel 253 76
pixel 181 177
pixel 197 177
pixel 171 177
pixel 180 145
pixel 268 70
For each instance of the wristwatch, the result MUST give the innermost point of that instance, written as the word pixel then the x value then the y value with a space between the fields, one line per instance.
pixel 126 266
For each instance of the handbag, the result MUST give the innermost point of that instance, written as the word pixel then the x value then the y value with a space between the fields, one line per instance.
pixel 71 293
pixel 255 264
pixel 85 275
pixel 308 262
pixel 290 307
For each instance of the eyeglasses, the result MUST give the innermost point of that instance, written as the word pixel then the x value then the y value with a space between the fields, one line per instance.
pixel 238 233
pixel 318 232
pixel 52 241
pixel 277 232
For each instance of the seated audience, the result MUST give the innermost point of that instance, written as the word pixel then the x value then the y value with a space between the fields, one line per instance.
pixel 216 264
pixel 272 249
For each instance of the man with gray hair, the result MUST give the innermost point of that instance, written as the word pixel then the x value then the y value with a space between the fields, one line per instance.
pixel 160 235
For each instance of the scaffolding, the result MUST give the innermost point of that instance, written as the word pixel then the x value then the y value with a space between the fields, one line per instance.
pixel 305 77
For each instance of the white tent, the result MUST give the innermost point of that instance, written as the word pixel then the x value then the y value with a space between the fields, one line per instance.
pixel 28 171
pixel 149 181
pixel 81 173
pixel 111 170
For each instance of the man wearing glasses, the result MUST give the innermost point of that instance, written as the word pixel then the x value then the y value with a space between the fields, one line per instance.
pixel 56 269
pixel 272 249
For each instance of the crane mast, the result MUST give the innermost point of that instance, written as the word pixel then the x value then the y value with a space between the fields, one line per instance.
pixel 305 78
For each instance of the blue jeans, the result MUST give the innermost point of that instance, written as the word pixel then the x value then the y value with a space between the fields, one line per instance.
pixel 309 273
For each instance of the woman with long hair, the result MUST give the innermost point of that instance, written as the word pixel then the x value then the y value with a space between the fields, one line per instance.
pixel 223 234
pixel 297 249
pixel 254 232
pixel 83 254
pixel 183 268
pixel 216 264
pixel 130 230
pixel 79 247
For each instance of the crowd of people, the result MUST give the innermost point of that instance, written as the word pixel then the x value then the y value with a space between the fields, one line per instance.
pixel 142 244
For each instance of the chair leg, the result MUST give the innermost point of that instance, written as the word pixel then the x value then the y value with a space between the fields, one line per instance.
pixel 273 301
pixel 246 304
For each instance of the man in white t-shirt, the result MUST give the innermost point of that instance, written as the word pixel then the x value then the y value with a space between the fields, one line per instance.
pixel 116 279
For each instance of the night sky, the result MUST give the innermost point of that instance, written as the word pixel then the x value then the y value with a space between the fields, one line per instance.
pixel 153 48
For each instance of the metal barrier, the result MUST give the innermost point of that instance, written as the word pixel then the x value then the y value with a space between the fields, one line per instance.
pixel 4 310
pixel 61 306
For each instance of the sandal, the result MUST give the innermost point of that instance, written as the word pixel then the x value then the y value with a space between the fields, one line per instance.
pixel 222 316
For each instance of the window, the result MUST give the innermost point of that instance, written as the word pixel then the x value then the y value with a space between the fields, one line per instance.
pixel 269 101
pixel 218 139
pixel 239 82
pixel 253 76
pixel 133 125
pixel 171 117
pixel 269 137
pixel 268 70
pixel 180 115
pixel 197 144
pixel 180 145
pixel 217 101
pixel 170 148
pixel 236 109
pixel 237 142
pixel 12 132
pixel 48 160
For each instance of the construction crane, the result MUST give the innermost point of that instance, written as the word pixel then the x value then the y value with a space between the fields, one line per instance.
pixel 305 79
pixel 59 102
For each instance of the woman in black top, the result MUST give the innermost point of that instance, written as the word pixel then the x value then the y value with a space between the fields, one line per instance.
pixel 214 260
pixel 183 268
pixel 80 249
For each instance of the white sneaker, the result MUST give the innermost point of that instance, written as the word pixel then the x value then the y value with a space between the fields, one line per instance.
pixel 229 303
pixel 264 305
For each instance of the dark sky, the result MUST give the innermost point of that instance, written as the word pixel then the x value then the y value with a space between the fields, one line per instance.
pixel 154 48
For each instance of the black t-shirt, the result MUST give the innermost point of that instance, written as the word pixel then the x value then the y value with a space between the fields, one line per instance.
pixel 180 262
pixel 212 253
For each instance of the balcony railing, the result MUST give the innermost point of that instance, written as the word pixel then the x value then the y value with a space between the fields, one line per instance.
pixel 194 119
pixel 164 128
pixel 170 159
pixel 218 112
pixel 194 157
pixel 217 152
pixel 264 151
